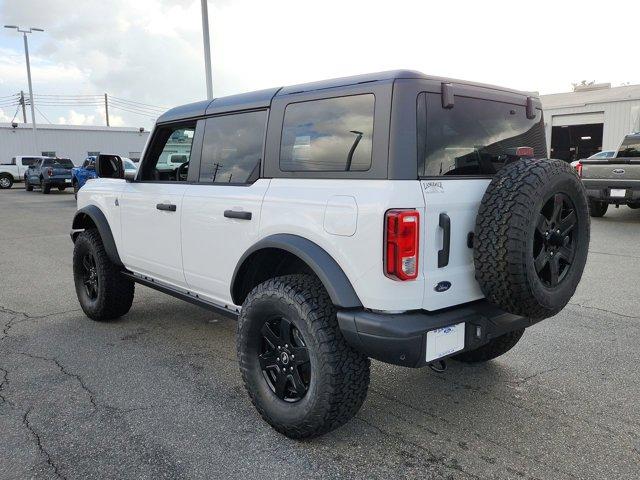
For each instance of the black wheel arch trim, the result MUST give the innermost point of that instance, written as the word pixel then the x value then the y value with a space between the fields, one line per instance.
pixel 331 275
pixel 100 221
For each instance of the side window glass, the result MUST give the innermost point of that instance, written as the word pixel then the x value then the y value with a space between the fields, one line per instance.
pixel 232 148
pixel 168 159
pixel 330 135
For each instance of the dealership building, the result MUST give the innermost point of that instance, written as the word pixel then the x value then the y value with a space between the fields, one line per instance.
pixel 590 119
pixel 70 141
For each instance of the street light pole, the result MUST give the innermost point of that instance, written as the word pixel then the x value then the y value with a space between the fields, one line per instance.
pixel 31 101
pixel 207 49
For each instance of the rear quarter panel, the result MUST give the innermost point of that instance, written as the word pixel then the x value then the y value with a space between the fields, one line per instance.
pixel 346 219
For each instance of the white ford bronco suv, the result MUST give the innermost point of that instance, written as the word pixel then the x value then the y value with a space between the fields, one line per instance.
pixel 393 216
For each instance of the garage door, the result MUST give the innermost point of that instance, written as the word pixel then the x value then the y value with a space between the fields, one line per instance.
pixel 577 119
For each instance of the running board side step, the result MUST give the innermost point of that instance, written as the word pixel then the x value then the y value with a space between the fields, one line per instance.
pixel 181 294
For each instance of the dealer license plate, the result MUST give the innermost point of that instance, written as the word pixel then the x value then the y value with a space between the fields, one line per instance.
pixel 618 192
pixel 445 341
pixel 67 180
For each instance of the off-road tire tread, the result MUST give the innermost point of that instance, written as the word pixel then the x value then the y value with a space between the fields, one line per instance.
pixel 345 371
pixel 496 347
pixel 117 291
pixel 501 230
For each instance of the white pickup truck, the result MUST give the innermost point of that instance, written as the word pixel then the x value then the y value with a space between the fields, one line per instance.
pixel 14 171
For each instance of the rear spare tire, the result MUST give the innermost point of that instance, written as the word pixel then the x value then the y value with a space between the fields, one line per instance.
pixel 532 237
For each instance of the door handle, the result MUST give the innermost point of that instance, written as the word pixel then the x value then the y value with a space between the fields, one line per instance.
pixel 239 214
pixel 169 207
pixel 443 255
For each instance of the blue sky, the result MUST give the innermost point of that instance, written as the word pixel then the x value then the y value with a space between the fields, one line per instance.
pixel 150 51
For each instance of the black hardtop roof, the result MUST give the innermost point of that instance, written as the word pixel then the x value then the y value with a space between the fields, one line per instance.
pixel 263 98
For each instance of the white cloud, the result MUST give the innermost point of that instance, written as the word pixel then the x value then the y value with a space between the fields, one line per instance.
pixel 151 50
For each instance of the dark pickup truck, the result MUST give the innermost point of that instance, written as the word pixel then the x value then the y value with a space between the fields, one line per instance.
pixel 615 180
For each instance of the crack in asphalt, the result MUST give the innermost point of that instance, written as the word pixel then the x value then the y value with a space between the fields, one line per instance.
pixel 44 451
pixel 15 319
pixel 3 383
pixel 633 317
pixel 63 369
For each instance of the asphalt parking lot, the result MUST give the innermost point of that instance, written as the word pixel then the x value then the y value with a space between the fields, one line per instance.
pixel 158 395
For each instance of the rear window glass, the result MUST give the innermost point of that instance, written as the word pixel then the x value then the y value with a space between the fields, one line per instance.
pixel 330 135
pixel 475 137
pixel 63 162
pixel 630 148
pixel 27 161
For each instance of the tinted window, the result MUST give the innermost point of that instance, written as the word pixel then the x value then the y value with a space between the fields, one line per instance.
pixel 475 137
pixel 47 163
pixel 331 135
pixel 27 161
pixel 232 148
pixel 63 162
pixel 169 141
pixel 630 147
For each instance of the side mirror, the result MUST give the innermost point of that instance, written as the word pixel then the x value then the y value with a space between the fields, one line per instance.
pixel 109 166
pixel 130 175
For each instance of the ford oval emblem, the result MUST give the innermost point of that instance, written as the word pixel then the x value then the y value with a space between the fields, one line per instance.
pixel 618 171
pixel 442 286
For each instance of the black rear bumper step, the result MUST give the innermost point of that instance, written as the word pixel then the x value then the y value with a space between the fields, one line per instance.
pixel 400 339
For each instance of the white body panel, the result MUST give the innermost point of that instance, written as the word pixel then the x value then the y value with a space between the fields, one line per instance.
pixel 198 249
pixel 16 171
pixel 151 240
pixel 301 207
pixel 460 200
pixel 213 244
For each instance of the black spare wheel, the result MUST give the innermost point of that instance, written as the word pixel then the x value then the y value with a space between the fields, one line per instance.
pixel 301 375
pixel 532 237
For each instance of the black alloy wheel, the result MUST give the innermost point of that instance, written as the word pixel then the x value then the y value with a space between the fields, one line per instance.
pixel 285 360
pixel 554 243
pixel 90 275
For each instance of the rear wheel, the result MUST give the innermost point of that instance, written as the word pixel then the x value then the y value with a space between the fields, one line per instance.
pixel 597 208
pixel 27 185
pixel 301 375
pixel 104 294
pixel 75 189
pixel 62 188
pixel 46 187
pixel 496 347
pixel 6 181
pixel 634 206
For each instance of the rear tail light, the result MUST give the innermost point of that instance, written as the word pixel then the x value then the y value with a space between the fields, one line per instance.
pixel 50 172
pixel 525 152
pixel 578 168
pixel 402 244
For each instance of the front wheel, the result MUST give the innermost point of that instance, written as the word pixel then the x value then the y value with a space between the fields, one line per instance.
pixel 75 189
pixel 301 375
pixel 104 294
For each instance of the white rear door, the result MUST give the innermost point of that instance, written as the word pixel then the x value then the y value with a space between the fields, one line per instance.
pixel 451 207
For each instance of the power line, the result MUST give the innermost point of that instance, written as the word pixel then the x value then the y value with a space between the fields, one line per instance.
pixel 42 114
pixel 139 103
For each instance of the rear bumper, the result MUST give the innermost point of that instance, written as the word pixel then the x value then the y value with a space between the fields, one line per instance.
pixel 400 339
pixel 601 190
pixel 59 181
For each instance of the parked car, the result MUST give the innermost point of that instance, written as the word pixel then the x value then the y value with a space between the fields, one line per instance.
pixel 393 216
pixel 14 171
pixel 79 175
pixel 613 180
pixel 48 172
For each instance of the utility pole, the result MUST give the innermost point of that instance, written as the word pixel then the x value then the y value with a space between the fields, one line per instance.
pixel 106 108
pixel 207 49
pixel 26 54
pixel 24 107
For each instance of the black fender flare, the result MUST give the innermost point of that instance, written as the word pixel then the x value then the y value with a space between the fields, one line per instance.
pixel 101 223
pixel 331 275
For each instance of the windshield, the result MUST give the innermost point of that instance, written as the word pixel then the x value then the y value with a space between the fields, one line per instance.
pixel 62 162
pixel 475 137
pixel 630 147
